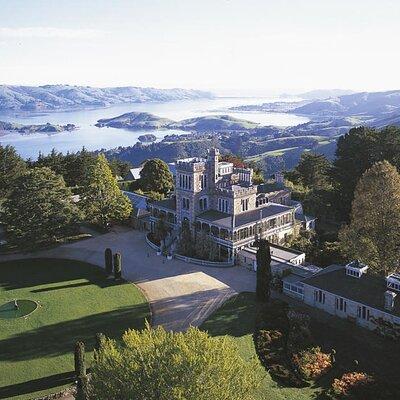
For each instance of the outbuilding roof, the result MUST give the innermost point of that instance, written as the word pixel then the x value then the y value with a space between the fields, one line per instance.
pixel 369 289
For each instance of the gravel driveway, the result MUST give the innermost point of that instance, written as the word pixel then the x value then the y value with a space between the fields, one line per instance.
pixel 179 294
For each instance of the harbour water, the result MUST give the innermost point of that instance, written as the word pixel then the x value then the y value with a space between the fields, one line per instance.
pixel 93 138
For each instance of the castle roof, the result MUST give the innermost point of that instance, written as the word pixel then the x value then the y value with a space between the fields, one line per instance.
pixel 225 220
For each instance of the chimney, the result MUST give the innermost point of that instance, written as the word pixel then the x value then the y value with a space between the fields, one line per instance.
pixel 389 300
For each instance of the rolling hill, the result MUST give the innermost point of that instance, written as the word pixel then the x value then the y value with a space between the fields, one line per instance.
pixel 65 97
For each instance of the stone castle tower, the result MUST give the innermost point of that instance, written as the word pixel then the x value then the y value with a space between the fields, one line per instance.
pixel 195 182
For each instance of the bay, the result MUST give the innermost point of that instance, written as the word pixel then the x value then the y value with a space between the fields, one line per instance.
pixel 93 138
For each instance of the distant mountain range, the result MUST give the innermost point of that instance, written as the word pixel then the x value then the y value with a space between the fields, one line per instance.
pixel 367 108
pixel 66 97
pixel 366 105
pixel 210 123
pixel 321 94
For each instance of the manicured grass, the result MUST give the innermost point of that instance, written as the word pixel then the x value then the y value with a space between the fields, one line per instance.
pixel 76 301
pixel 236 319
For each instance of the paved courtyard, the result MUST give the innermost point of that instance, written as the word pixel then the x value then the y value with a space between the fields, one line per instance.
pixel 180 294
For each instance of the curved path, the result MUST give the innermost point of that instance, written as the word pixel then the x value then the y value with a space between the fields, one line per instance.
pixel 179 294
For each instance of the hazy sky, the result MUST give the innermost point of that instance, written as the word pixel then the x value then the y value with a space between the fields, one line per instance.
pixel 263 45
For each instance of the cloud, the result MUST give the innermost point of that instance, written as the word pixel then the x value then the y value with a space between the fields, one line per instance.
pixel 50 32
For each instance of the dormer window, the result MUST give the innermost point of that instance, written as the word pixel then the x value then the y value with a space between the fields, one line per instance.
pixel 393 282
pixel 356 268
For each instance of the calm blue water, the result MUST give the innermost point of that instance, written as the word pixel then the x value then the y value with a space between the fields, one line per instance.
pixel 94 138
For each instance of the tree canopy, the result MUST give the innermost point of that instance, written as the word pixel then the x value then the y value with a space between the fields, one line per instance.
pixel 156 177
pixel 357 151
pixel 313 170
pixel 39 208
pixel 373 234
pixel 11 167
pixel 160 365
pixel 101 199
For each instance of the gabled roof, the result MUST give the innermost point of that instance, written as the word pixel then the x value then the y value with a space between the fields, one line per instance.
pixel 166 204
pixel 139 203
pixel 134 173
pixel 369 289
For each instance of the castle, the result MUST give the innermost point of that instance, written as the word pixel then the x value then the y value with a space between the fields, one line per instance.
pixel 222 200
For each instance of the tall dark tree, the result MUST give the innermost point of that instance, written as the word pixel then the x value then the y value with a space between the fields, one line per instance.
pixel 119 167
pixel 11 167
pixel 354 155
pixel 264 274
pixel 79 358
pixel 40 208
pixel 313 170
pixel 108 261
pixel 155 176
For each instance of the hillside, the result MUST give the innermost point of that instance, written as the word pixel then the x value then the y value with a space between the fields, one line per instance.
pixel 321 94
pixel 370 105
pixel 64 97
pixel 135 120
pixel 214 123
pixel 10 127
pixel 210 123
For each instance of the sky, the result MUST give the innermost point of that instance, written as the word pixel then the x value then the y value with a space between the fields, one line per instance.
pixel 252 46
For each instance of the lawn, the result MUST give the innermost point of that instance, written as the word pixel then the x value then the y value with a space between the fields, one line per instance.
pixel 374 354
pixel 75 302
pixel 236 319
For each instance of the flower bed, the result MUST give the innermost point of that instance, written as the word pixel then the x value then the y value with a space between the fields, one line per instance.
pixel 270 339
pixel 353 385
pixel 284 345
pixel 312 363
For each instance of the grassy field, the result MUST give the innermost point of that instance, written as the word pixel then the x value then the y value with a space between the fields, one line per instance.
pixel 236 319
pixel 75 302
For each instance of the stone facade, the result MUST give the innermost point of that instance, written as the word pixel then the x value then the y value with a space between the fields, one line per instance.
pixel 222 200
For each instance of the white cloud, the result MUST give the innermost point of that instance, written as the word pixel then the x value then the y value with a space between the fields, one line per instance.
pixel 50 32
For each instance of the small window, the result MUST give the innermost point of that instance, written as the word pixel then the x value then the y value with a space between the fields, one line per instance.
pixel 319 296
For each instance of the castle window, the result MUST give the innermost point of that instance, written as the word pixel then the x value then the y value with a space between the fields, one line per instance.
pixel 203 203
pixel 245 204
pixel 223 205
pixel 185 203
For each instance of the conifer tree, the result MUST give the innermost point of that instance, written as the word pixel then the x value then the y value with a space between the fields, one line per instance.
pixel 264 275
pixel 11 167
pixel 39 208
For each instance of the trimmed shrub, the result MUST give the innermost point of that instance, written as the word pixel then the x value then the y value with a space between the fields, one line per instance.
pixel 354 385
pixel 79 356
pixel 311 363
pixel 108 259
pixel 82 389
pixel 117 266
pixel 100 337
